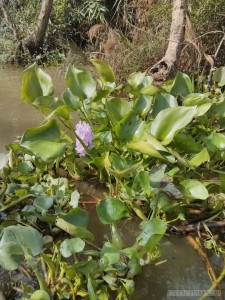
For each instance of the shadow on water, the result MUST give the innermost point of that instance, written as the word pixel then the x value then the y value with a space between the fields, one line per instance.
pixel 182 269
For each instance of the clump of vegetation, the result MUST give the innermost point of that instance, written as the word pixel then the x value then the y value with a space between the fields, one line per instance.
pixel 159 151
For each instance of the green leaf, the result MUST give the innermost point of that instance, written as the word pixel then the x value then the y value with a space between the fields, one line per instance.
pixel 219 76
pixel 40 295
pixel 118 166
pixel 17 240
pixel 200 158
pixel 91 291
pixel 75 223
pixel 80 83
pixel 152 232
pixel 10 256
pixel 142 105
pixel 187 143
pixel 170 121
pixel 111 210
pixel 130 127
pixel 218 108
pixel 182 85
pixel 64 111
pixel 47 104
pixel 25 167
pixel 44 141
pixel 35 83
pixel 104 70
pixel 135 79
pixel 163 101
pixel 194 189
pixel 43 203
pixel 71 100
pixel 150 90
pixel 117 108
pixel 110 254
pixel 217 140
pixel 195 99
pixel 47 132
pixel 71 246
pixel 77 217
pixel 150 146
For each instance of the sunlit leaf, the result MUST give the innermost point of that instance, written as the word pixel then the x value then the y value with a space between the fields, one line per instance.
pixel 194 189
pixel 170 121
pixel 195 99
pixel 142 105
pixel 44 141
pixel 35 83
pixel 182 85
pixel 219 76
pixel 104 70
pixel 80 82
pixel 136 78
pixel 216 140
pixel 200 158
pixel 117 108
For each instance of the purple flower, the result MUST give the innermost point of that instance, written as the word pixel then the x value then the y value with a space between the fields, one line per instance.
pixel 85 133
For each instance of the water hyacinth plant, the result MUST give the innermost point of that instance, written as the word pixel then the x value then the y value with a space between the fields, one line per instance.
pixel 158 151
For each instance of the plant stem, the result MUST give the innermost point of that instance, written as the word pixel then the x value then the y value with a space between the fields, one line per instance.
pixel 16 202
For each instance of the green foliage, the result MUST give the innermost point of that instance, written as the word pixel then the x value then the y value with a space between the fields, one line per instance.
pixel 159 157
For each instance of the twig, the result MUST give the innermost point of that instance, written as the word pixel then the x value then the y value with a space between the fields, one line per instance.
pixel 206 261
pixel 190 228
pixel 16 202
pixel 213 64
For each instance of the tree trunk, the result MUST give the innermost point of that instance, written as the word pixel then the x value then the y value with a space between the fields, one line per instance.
pixel 34 42
pixel 9 21
pixel 167 66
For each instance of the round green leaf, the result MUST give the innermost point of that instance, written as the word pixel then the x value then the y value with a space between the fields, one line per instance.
pixel 111 210
pixel 71 246
pixel 43 202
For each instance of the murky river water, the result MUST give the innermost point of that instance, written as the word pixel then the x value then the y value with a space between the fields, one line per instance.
pixel 183 269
